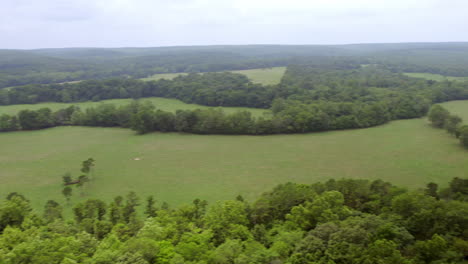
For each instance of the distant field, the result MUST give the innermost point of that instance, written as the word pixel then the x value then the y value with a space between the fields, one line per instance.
pixel 458 107
pixel 435 77
pixel 266 76
pixel 160 103
pixel 179 167
pixel 159 76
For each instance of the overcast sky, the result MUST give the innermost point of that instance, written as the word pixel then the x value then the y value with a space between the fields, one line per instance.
pixel 26 24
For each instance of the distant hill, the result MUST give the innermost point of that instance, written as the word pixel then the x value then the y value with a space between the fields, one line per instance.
pixel 20 67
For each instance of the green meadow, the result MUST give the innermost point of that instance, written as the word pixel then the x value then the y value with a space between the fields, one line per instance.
pixel 435 77
pixel 161 103
pixel 459 108
pixel 159 76
pixel 178 167
pixel 265 76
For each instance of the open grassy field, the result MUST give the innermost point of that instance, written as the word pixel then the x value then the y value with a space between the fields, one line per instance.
pixel 159 76
pixel 458 107
pixel 160 103
pixel 266 76
pixel 435 77
pixel 179 167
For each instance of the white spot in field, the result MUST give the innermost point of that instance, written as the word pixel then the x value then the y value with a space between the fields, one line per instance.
pixel 136 159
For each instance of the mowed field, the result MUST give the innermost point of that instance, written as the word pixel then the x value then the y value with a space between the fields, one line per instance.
pixel 180 167
pixel 265 76
pixel 161 103
pixel 435 77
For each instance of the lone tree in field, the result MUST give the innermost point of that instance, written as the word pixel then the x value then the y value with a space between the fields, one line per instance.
pixel 67 192
pixel 87 166
pixel 81 182
pixel 67 179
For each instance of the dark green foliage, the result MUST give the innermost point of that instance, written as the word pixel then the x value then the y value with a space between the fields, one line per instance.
pixel 150 210
pixel 52 211
pixel 87 165
pixel 67 179
pixel 9 123
pixel 452 124
pixel 29 120
pixel 320 223
pixel 276 204
pixel 67 192
pixel 129 210
pixel 457 190
pixel 463 135
pixel 438 116
pixel 431 190
pixel 13 211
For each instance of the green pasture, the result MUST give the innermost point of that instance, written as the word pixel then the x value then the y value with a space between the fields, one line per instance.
pixel 159 76
pixel 266 76
pixel 459 108
pixel 180 167
pixel 160 103
pixel 435 77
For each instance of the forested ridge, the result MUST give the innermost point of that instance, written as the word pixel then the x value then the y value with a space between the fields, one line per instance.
pixel 339 221
pixel 22 67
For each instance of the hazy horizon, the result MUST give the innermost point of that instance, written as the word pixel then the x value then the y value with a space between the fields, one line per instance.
pixel 220 45
pixel 28 24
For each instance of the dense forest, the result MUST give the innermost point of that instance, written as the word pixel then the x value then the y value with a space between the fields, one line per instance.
pixel 21 67
pixel 339 221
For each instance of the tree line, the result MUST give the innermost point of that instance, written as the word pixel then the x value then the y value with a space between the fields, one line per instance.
pixel 339 221
pixel 442 118
pixel 143 117
pixel 287 116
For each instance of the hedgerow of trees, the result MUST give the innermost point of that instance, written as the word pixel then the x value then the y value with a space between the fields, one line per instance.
pixel 442 118
pixel 339 221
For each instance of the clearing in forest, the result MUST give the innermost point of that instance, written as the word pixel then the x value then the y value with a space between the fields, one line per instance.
pixel 265 76
pixel 180 167
pixel 435 77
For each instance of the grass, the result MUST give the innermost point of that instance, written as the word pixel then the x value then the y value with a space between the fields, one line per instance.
pixel 265 76
pixel 180 167
pixel 435 77
pixel 159 76
pixel 459 108
pixel 160 103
